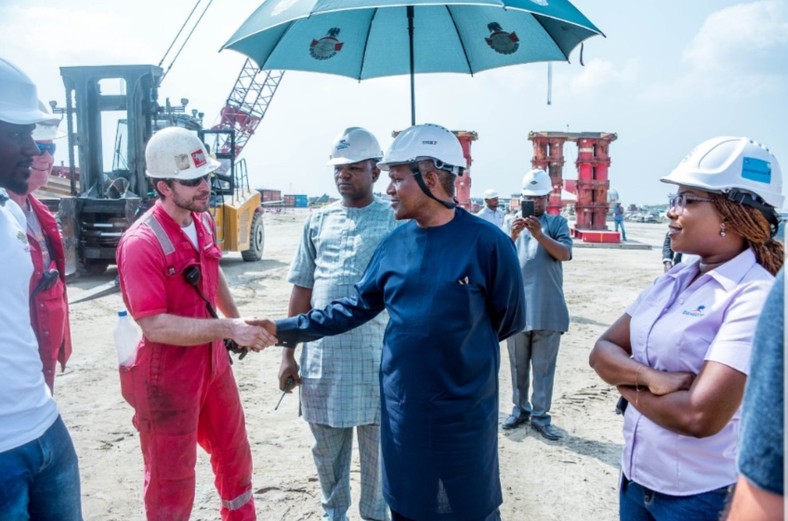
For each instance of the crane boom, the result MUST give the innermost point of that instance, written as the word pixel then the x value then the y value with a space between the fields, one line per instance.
pixel 247 104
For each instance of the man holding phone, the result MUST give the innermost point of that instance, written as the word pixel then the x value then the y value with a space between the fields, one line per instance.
pixel 527 208
pixel 543 243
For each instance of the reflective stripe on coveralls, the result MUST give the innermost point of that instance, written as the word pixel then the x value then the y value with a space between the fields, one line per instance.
pixel 235 504
pixel 199 384
pixel 161 235
pixel 168 248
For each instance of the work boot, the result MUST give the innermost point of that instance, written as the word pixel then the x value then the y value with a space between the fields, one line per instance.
pixel 548 432
pixel 515 420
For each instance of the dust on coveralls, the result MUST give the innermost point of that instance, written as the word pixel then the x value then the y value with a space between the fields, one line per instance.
pixel 181 395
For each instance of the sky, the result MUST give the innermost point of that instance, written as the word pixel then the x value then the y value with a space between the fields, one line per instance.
pixel 666 76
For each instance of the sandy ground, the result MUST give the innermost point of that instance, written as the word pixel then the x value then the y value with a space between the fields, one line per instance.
pixel 572 479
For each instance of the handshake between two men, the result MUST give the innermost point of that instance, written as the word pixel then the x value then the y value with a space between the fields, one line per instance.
pixel 262 333
pixel 251 334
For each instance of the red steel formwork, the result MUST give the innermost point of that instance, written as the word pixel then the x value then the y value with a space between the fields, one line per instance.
pixel 593 162
pixel 462 185
pixel 549 156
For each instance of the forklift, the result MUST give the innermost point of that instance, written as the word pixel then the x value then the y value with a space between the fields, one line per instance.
pixel 103 203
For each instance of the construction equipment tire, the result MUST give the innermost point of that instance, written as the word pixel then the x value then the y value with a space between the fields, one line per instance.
pixel 94 266
pixel 256 239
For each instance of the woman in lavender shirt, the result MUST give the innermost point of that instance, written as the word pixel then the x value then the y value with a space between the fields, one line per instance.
pixel 680 354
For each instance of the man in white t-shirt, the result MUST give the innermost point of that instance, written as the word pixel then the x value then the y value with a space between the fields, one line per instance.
pixel 492 211
pixel 40 474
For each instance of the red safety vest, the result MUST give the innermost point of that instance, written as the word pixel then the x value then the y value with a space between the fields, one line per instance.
pixel 49 307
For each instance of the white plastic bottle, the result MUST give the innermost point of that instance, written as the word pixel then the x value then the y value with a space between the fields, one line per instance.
pixel 127 338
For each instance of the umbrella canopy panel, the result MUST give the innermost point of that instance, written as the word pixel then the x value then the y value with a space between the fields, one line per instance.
pixel 361 41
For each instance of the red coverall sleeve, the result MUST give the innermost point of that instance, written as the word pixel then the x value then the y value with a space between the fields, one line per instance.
pixel 141 270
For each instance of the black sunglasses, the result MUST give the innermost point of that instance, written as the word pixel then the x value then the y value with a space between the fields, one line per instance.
pixel 47 147
pixel 191 183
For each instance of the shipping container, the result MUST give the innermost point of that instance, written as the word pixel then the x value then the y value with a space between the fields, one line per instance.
pixel 296 200
pixel 270 195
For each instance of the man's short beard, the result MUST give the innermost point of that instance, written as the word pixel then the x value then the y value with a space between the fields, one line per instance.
pixel 14 184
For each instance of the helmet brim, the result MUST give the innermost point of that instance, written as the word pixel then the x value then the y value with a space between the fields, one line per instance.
pixel 46 131
pixel 27 117
pixel 534 193
pixel 387 166
pixel 194 173
pixel 347 161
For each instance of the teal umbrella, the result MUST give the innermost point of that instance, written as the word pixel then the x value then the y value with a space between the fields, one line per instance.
pixel 373 38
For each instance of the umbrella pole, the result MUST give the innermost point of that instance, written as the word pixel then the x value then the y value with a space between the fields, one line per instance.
pixel 412 82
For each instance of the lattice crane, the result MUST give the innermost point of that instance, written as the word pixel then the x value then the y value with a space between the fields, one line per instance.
pixel 246 105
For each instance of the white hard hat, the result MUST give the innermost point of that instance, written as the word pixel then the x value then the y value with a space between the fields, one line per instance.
pixel 735 166
pixel 47 130
pixel 352 145
pixel 490 194
pixel 536 183
pixel 19 98
pixel 426 141
pixel 176 153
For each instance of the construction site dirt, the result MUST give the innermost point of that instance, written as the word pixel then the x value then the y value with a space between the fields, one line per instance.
pixel 574 478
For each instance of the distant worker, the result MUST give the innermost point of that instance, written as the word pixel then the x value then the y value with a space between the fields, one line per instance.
pixel 48 299
pixel 340 374
pixel 39 470
pixel 618 220
pixel 181 385
pixel 492 211
pixel 670 258
pixel 453 290
pixel 543 245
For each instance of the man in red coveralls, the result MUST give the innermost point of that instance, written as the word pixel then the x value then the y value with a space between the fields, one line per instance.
pixel 48 300
pixel 180 384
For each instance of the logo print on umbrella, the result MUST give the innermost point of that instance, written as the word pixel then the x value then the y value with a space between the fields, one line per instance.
pixel 282 6
pixel 500 41
pixel 327 46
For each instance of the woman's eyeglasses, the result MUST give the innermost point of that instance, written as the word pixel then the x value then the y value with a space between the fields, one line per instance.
pixel 191 183
pixel 47 148
pixel 679 202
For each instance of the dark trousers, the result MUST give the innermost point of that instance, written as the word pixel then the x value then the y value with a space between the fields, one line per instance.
pixel 495 516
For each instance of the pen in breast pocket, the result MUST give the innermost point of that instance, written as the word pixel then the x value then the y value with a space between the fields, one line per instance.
pixel 464 281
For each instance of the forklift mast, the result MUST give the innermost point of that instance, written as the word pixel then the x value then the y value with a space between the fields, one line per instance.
pixel 105 201
pixel 85 106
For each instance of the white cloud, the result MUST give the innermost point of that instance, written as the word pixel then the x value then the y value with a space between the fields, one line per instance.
pixel 80 34
pixel 749 38
pixel 599 74
pixel 739 52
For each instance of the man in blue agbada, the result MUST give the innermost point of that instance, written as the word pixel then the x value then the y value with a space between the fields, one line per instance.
pixel 453 289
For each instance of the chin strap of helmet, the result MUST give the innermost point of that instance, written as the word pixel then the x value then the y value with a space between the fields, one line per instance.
pixel 414 167
pixel 746 198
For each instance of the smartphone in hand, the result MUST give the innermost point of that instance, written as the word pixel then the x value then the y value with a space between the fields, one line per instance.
pixel 526 208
